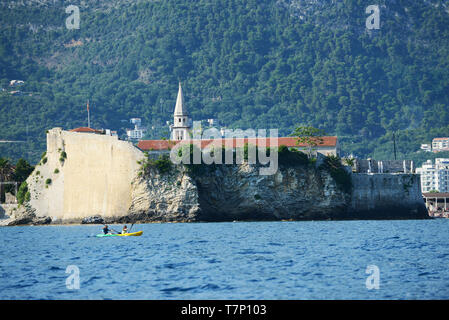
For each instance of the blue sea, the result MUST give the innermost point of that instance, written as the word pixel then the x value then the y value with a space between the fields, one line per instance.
pixel 236 260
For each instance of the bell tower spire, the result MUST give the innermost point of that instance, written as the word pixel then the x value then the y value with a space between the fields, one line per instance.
pixel 181 124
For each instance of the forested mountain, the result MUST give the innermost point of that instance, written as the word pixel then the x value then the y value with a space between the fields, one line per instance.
pixel 249 63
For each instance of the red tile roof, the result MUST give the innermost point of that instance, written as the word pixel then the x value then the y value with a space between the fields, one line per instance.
pixel 153 145
pixel 437 139
pixel 436 195
pixel 237 142
pixel 85 129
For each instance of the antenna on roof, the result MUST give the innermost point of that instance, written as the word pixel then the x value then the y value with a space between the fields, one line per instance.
pixel 88 114
pixel 394 145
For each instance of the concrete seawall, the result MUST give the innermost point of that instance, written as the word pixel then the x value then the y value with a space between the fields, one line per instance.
pixel 386 196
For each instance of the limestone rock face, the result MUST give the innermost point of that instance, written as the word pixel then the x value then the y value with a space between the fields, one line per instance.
pixel 237 192
pixel 25 215
pixel 164 197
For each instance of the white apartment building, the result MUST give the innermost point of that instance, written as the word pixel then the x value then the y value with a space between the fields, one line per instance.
pixel 138 132
pixel 440 144
pixel 435 176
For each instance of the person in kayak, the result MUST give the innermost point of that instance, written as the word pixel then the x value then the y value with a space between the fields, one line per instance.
pixel 105 229
pixel 124 230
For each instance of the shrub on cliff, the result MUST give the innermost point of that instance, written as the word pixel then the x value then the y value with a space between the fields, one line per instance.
pixel 247 148
pixel 187 151
pixel 342 178
pixel 292 157
pixel 286 157
pixel 62 157
pixel 162 164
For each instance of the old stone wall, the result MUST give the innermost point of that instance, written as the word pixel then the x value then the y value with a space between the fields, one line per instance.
pixel 84 174
pixel 386 196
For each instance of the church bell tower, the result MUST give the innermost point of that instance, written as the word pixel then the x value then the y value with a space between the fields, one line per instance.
pixel 181 124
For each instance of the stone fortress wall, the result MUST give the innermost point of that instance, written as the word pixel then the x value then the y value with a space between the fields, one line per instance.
pixel 386 196
pixel 94 178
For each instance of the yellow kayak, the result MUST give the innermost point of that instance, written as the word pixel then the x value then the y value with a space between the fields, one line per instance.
pixel 132 234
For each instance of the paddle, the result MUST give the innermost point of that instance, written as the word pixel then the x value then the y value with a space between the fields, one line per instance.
pixel 129 231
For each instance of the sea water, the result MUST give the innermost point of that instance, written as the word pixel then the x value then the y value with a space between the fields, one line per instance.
pixel 407 259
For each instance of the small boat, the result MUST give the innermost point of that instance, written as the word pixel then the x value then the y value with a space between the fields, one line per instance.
pixel 132 234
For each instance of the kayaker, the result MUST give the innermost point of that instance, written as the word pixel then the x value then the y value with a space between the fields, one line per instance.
pixel 105 229
pixel 124 230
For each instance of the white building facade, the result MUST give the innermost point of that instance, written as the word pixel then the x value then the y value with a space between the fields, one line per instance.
pixel 435 177
pixel 135 134
pixel 138 132
pixel 440 144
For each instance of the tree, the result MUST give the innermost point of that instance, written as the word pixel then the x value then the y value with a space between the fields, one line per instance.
pixel 309 136
pixel 6 174
pixel 22 171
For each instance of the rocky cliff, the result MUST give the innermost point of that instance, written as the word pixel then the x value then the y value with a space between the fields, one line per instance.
pixel 237 192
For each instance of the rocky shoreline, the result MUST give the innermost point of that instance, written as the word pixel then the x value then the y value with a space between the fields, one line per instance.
pixel 30 220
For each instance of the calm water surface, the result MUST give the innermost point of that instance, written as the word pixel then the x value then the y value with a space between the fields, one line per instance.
pixel 241 260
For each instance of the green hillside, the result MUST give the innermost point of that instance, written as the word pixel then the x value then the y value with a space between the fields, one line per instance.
pixel 250 64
